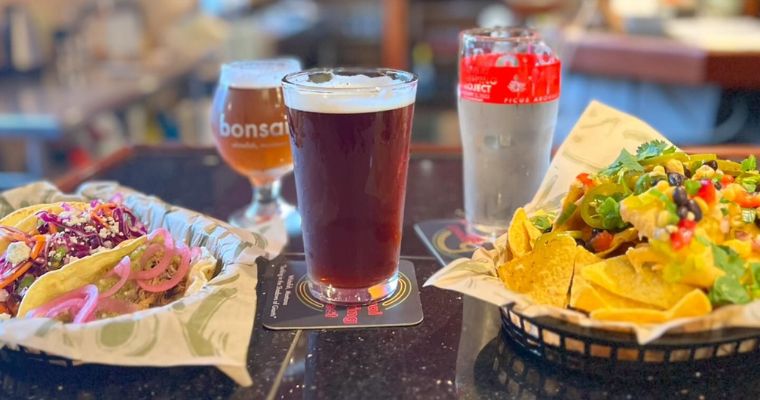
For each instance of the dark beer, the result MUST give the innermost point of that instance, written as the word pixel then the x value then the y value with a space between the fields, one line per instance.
pixel 350 170
pixel 350 137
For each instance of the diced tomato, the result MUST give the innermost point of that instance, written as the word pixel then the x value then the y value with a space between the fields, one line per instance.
pixel 726 180
pixel 585 179
pixel 681 238
pixel 601 241
pixel 687 224
pixel 707 191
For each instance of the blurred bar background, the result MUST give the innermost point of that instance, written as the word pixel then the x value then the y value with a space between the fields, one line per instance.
pixel 81 79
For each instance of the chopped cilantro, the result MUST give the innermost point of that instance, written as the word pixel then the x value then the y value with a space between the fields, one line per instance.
pixel 728 290
pixel 625 162
pixel 24 283
pixel 728 260
pixel 692 187
pixel 653 148
pixel 542 222
pixel 609 211
pixel 749 163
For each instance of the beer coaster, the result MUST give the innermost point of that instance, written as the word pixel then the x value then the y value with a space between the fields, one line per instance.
pixel 290 305
pixel 447 239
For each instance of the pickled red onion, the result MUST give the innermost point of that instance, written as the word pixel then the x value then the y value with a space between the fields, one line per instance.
pixel 122 270
pixel 184 266
pixel 90 302
pixel 160 267
pixel 42 310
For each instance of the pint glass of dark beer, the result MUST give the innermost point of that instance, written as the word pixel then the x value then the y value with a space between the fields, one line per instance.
pixel 350 131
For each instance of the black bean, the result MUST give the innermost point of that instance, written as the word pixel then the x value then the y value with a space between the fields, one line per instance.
pixel 694 208
pixel 712 164
pixel 596 231
pixel 757 222
pixel 580 242
pixel 687 172
pixel 679 196
pixel 718 186
pixel 682 212
pixel 675 179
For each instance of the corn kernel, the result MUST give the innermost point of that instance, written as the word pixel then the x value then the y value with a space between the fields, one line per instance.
pixel 674 166
pixel 704 172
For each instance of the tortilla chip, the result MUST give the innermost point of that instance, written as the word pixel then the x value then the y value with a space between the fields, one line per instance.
pixel 589 297
pixel 511 272
pixel 618 276
pixel 693 304
pixel 584 257
pixel 518 239
pixel 544 274
pixel 75 275
pixel 533 232
pixel 637 315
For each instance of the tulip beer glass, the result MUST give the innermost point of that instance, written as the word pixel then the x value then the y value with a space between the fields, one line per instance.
pixel 251 132
pixel 350 131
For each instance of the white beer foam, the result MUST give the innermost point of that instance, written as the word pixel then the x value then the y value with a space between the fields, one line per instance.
pixel 257 74
pixel 352 94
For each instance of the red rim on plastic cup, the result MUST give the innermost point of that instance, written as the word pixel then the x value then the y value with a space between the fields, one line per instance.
pixel 512 66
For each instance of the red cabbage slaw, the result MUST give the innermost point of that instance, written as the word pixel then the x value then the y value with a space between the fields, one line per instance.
pixel 158 267
pixel 63 238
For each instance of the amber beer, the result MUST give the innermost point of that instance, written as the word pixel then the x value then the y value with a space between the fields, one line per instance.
pixel 251 132
pixel 350 132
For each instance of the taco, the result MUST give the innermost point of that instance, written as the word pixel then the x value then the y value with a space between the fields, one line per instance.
pixel 149 271
pixel 45 237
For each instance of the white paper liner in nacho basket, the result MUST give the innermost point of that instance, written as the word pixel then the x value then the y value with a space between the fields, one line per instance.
pixel 211 327
pixel 595 142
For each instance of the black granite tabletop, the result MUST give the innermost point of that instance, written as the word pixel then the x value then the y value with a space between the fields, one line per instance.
pixel 456 352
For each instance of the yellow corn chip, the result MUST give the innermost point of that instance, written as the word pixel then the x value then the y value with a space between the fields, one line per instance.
pixel 588 297
pixel 693 304
pixel 584 257
pixel 618 276
pixel 532 231
pixel 544 274
pixel 637 315
pixel 519 241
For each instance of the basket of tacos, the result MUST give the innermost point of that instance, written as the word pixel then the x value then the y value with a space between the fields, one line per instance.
pixel 82 261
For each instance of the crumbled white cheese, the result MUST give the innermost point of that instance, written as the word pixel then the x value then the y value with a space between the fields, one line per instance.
pixel 17 253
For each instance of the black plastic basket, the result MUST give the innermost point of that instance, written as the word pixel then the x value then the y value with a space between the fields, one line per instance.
pixel 21 355
pixel 602 352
